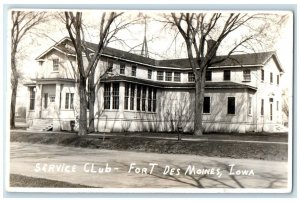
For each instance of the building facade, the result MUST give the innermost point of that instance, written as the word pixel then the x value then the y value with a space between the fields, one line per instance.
pixel 136 93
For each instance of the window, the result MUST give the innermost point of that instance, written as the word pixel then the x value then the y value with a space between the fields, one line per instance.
pixel 271 77
pixel 177 76
pixel 133 70
pixel 110 66
pixel 45 100
pixel 72 101
pixel 271 111
pixel 149 99
pixel 154 100
pixel 277 105
pixel 247 75
pixel 138 98
pixel 55 64
pixel 144 98
pixel 69 102
pixel 52 98
pixel 122 68
pixel 250 105
pixel 32 98
pixel 262 75
pixel 208 75
pixel 126 95
pixel 115 96
pixel 226 75
pixel 107 96
pixel 160 75
pixel 191 77
pixel 262 107
pixel 277 79
pixel 168 76
pixel 149 73
pixel 231 105
pixel 132 90
pixel 206 105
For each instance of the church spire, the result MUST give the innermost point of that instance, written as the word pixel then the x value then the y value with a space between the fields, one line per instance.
pixel 144 51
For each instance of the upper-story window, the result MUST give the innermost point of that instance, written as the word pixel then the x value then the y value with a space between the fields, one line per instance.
pixel 55 64
pixel 226 75
pixel 271 77
pixel 277 79
pixel 191 77
pixel 247 75
pixel 122 68
pixel 168 76
pixel 149 73
pixel 208 75
pixel 160 75
pixel 262 75
pixel 177 76
pixel 110 65
pixel 133 70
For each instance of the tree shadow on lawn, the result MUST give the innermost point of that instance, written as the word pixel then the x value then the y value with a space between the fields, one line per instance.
pixel 226 180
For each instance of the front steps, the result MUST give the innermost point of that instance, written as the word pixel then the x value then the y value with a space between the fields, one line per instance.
pixel 41 125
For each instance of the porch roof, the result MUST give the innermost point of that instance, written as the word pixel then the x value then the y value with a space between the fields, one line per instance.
pixel 160 84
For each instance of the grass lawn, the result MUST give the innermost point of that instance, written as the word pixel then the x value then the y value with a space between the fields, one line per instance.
pixel 277 152
pixel 24 181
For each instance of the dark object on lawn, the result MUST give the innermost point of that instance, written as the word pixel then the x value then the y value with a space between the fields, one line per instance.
pixel 72 125
pixel 179 131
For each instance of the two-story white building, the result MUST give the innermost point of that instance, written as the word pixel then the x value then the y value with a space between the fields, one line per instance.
pixel 242 94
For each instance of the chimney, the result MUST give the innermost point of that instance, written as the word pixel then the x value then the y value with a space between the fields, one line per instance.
pixel 210 44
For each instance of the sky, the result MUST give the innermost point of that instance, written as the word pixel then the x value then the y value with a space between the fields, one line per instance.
pixel 161 41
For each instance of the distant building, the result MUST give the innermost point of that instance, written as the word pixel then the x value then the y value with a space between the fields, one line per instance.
pixel 242 94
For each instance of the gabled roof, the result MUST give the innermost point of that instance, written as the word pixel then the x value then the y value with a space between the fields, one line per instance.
pixel 239 60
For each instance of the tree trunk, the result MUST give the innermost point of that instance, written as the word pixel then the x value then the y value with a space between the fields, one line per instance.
pixel 83 107
pixel 91 102
pixel 199 97
pixel 14 85
pixel 13 103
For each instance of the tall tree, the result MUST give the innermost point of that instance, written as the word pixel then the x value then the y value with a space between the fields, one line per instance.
pixel 75 27
pixel 23 23
pixel 204 33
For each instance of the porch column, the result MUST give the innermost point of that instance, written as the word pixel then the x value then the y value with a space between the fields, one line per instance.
pixel 121 98
pixel 38 101
pixel 56 121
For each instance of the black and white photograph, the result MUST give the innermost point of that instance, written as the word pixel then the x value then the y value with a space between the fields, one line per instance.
pixel 164 101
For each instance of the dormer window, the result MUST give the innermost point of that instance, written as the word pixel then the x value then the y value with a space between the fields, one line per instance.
pixel 55 64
